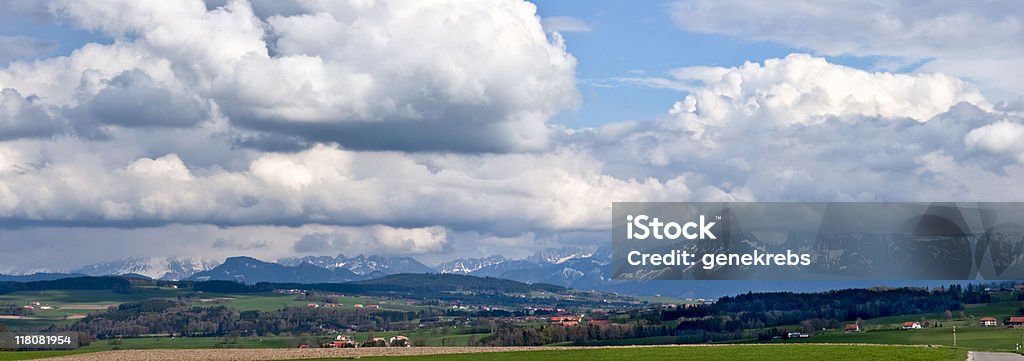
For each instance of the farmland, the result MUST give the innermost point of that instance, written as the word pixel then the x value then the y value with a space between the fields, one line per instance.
pixel 721 353
pixel 727 352
pixel 974 338
pixel 70 305
pixel 271 342
pixel 280 318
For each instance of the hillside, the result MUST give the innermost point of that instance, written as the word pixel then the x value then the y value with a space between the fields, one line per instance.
pixel 452 282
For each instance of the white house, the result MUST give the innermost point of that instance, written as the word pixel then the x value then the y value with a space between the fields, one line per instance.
pixel 989 321
pixel 912 325
pixel 399 341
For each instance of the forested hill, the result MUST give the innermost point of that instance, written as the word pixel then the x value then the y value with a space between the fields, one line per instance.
pixel 418 285
pixel 116 284
pixel 412 285
pixel 758 310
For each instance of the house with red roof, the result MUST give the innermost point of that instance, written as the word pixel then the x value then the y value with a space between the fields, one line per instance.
pixel 1015 321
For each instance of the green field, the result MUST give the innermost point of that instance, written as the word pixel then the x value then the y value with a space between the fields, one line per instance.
pixel 31 355
pixel 1004 304
pixel 431 339
pixel 453 338
pixel 975 338
pixel 74 303
pixel 156 343
pixel 712 353
pixel 973 312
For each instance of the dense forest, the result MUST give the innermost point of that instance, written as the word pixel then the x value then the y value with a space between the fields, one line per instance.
pixel 818 310
pixel 507 334
pixel 116 284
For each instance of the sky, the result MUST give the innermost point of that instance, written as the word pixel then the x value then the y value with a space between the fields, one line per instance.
pixel 445 129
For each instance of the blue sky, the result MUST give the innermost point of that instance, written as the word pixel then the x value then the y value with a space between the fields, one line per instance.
pixel 67 38
pixel 630 37
pixel 639 39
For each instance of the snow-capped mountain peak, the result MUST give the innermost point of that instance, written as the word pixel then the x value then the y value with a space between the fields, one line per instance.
pixel 167 268
pixel 362 265
pixel 559 255
pixel 468 265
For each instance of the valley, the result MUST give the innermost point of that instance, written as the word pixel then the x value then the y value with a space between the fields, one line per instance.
pixel 451 310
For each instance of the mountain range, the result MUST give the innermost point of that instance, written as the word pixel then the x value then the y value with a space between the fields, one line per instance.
pixel 574 267
pixel 366 266
pixel 251 270
pixel 559 266
pixel 567 266
pixel 153 267
pixel 469 265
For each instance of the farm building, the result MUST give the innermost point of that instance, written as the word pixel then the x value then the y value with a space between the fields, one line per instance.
pixel 399 341
pixel 989 321
pixel 1015 321
pixel 565 320
pixel 341 341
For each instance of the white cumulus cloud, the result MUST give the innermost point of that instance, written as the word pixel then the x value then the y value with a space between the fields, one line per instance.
pixel 1003 137
pixel 801 89
pixel 968 40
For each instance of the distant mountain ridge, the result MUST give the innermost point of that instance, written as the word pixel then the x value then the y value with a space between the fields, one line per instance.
pixel 566 266
pixel 251 270
pixel 162 268
pixel 42 276
pixel 558 255
pixel 574 267
pixel 469 265
pixel 367 266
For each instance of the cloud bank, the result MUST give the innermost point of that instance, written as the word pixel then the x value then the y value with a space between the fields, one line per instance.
pixel 277 128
